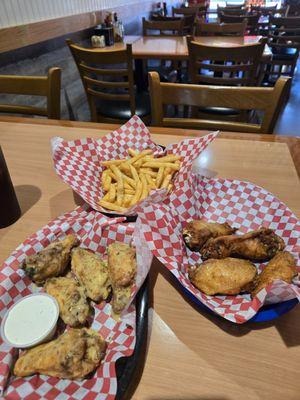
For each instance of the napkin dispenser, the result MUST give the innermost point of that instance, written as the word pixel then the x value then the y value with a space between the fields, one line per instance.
pixel 107 32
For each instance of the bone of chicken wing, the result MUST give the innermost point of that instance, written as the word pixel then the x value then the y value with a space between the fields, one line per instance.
pixel 197 232
pixel 74 308
pixel 260 245
pixel 51 261
pixel 92 273
pixel 73 355
pixel 282 266
pixel 122 269
pixel 227 276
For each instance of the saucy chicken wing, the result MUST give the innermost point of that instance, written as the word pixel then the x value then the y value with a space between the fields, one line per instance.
pixel 197 232
pixel 73 355
pixel 282 266
pixel 260 245
pixel 92 273
pixel 122 270
pixel 226 276
pixel 51 261
pixel 74 308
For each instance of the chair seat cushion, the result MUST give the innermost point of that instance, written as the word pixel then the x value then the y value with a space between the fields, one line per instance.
pixel 121 109
pixel 219 111
pixel 284 53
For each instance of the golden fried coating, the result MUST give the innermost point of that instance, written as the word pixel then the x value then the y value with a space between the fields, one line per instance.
pixel 226 276
pixel 282 266
pixel 92 273
pixel 260 245
pixel 73 355
pixel 51 261
pixel 74 308
pixel 122 270
pixel 197 232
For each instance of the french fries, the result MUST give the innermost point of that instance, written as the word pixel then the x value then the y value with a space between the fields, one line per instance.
pixel 128 181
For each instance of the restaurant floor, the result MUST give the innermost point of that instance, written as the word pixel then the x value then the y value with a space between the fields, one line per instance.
pixel 289 121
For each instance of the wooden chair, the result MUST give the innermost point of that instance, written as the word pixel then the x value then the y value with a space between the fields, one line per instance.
pixel 231 11
pixel 284 41
pixel 195 10
pixel 233 5
pixel 268 100
pixel 107 77
pixel 238 65
pixel 202 28
pixel 167 27
pixel 252 21
pixel 189 21
pixel 48 86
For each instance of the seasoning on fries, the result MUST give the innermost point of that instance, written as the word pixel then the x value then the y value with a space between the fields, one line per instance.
pixel 128 181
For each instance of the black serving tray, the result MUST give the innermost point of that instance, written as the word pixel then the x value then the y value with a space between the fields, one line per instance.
pixel 128 369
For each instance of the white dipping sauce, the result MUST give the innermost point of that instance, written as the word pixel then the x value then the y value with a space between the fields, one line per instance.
pixel 31 319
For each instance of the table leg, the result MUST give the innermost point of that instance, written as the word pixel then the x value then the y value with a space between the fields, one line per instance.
pixel 140 78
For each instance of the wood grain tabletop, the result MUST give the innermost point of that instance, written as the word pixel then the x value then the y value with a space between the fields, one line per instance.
pixel 190 354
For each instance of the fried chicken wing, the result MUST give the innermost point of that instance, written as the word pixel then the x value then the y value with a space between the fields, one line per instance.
pixel 260 245
pixel 226 276
pixel 197 232
pixel 51 261
pixel 282 266
pixel 92 273
pixel 74 308
pixel 73 355
pixel 122 270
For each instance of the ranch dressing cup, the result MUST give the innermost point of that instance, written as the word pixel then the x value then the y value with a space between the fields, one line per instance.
pixel 30 321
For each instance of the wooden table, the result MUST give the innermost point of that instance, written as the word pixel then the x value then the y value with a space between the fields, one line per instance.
pixel 175 47
pixel 190 355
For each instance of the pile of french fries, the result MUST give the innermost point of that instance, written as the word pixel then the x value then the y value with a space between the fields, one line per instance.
pixel 128 181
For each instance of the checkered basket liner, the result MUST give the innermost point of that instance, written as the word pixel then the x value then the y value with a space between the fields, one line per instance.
pixel 241 204
pixel 78 162
pixel 95 232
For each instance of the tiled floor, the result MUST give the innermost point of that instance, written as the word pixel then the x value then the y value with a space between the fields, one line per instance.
pixel 289 121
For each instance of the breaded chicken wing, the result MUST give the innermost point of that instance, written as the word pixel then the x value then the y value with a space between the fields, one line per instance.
pixel 51 261
pixel 226 276
pixel 197 232
pixel 260 245
pixel 122 270
pixel 73 355
pixel 282 266
pixel 74 308
pixel 92 273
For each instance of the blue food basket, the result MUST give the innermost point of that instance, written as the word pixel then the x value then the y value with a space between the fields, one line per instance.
pixel 266 313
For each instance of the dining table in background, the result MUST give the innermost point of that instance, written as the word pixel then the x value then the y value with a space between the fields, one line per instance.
pixel 191 354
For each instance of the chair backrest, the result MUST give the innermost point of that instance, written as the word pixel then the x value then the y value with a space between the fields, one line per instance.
pixel 231 11
pixel 232 66
pixel 216 29
pixel 263 10
pixel 268 100
pixel 229 5
pixel 48 86
pixel 105 74
pixel 284 32
pixel 252 20
pixel 169 27
pixel 193 10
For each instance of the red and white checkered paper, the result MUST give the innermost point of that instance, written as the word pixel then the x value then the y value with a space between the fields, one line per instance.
pixel 241 204
pixel 95 232
pixel 78 162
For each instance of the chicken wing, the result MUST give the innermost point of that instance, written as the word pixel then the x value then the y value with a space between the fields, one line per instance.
pixel 122 270
pixel 74 308
pixel 260 245
pixel 226 276
pixel 73 355
pixel 51 261
pixel 197 232
pixel 92 273
pixel 282 266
